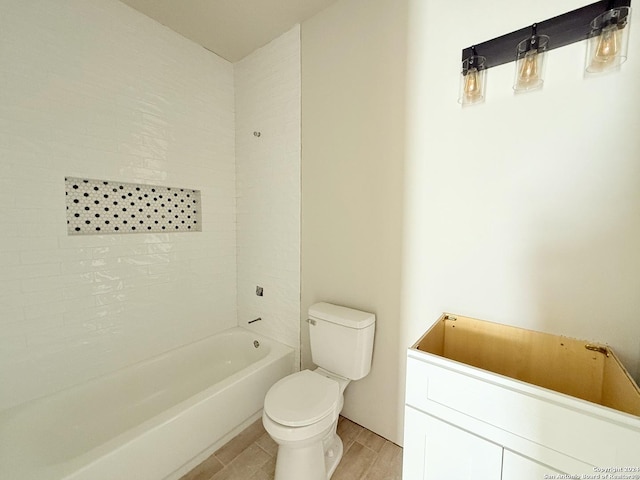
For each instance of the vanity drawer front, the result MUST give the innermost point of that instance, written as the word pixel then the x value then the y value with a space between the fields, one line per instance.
pixel 505 404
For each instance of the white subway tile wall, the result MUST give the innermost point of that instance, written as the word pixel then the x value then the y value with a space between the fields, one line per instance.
pixel 94 89
pixel 268 187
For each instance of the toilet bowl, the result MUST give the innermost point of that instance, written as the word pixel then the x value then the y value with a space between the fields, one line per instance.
pixel 301 416
pixel 301 410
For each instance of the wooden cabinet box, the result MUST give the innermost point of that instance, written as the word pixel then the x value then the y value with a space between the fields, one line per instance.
pixel 485 400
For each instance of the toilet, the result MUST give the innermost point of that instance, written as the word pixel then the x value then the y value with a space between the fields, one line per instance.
pixel 301 410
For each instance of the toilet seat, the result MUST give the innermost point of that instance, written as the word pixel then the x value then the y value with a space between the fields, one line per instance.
pixel 301 399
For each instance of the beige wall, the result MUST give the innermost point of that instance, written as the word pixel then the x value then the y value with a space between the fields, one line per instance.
pixel 524 210
pixel 353 64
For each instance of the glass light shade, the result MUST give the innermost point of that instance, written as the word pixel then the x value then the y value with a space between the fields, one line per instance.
pixel 472 81
pixel 609 39
pixel 530 55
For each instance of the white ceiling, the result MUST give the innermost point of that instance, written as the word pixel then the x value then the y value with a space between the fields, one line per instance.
pixel 230 28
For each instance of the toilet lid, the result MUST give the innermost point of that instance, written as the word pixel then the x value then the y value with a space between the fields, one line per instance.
pixel 301 399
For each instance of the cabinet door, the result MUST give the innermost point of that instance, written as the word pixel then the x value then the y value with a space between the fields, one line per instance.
pixel 435 450
pixel 517 467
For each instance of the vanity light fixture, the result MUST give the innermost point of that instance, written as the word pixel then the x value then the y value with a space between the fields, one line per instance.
pixel 472 79
pixel 530 62
pixel 608 40
pixel 605 24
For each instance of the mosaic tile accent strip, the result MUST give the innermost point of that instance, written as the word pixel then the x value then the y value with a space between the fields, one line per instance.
pixel 97 207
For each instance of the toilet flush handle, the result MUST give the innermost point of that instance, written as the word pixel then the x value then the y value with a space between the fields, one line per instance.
pixel 311 321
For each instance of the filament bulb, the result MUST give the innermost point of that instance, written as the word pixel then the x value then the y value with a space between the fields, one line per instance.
pixel 529 71
pixel 607 47
pixel 472 80
pixel 472 89
pixel 529 68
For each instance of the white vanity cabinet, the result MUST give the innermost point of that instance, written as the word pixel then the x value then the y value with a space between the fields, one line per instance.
pixel 488 402
pixel 436 449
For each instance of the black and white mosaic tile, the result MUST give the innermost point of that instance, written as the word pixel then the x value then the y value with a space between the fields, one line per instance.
pixel 101 207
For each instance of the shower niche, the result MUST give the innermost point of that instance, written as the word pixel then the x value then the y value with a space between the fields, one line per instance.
pixel 98 207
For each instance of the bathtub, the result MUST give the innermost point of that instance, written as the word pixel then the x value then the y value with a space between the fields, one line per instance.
pixel 154 420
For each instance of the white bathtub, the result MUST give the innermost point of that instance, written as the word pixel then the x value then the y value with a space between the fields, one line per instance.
pixel 151 421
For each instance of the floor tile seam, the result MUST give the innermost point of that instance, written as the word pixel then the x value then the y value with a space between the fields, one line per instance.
pixel 261 448
pixel 393 447
pixel 216 472
pixel 269 457
pixel 230 462
pixel 365 472
pixel 368 448
pixel 224 465
pixel 384 468
pixel 252 438
pixel 219 472
pixel 369 466
pixel 230 467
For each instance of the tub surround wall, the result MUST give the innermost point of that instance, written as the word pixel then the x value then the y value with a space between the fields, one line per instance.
pixel 267 85
pixel 95 89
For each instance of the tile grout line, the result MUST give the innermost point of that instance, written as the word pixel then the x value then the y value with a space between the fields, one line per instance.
pixel 263 449
pixel 375 457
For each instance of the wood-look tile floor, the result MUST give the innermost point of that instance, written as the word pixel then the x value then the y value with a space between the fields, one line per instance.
pixel 252 456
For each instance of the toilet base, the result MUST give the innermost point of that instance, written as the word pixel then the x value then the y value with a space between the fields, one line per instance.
pixel 314 461
pixel 333 455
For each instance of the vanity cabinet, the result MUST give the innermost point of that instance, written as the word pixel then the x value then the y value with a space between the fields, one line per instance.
pixel 440 450
pixel 491 402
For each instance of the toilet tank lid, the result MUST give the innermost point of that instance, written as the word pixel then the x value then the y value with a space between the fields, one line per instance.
pixel 347 317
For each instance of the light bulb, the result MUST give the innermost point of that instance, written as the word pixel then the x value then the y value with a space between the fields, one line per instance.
pixel 608 45
pixel 530 53
pixel 472 86
pixel 529 68
pixel 472 80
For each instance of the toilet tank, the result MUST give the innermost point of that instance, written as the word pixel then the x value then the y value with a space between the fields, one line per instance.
pixel 341 339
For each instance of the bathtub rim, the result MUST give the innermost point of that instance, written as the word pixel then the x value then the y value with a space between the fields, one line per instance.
pixel 153 358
